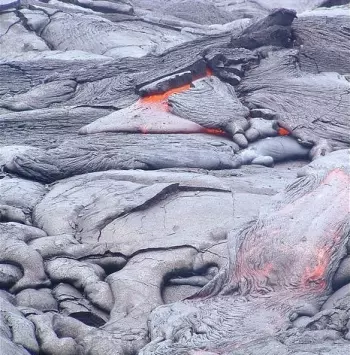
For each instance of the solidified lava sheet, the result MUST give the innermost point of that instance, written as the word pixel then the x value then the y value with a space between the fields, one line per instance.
pixel 174 177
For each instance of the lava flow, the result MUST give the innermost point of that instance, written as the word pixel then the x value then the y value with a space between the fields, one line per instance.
pixel 161 102
pixel 282 131
pixel 215 131
pixel 316 275
pixel 163 97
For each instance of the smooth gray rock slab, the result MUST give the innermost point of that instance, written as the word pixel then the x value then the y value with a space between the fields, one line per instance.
pixel 41 299
pixel 342 276
pixel 154 214
pixel 272 150
pixel 15 38
pixel 20 193
pixel 339 299
pixel 156 200
pixel 117 40
pixel 142 118
pixel 170 222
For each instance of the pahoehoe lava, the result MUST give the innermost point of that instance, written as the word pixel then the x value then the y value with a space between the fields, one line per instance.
pixel 174 177
pixel 270 280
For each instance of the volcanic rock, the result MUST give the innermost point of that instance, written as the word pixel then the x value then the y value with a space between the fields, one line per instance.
pixel 174 177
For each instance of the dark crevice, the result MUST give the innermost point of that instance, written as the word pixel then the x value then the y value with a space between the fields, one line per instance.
pixel 29 29
pixel 313 60
pixel 9 28
pixel 330 3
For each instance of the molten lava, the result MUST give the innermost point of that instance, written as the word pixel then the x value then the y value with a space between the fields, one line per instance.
pixel 163 97
pixel 215 131
pixel 161 102
pixel 316 275
pixel 283 132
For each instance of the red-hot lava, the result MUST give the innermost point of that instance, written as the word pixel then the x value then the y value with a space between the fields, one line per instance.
pixel 316 275
pixel 308 245
pixel 163 97
pixel 282 131
pixel 161 101
pixel 215 131
pixel 281 262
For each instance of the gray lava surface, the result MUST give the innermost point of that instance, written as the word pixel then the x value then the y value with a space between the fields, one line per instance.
pixel 174 177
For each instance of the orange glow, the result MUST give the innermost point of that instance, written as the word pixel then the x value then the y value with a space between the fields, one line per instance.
pixel 208 72
pixel 282 131
pixel 161 102
pixel 317 274
pixel 162 98
pixel 216 131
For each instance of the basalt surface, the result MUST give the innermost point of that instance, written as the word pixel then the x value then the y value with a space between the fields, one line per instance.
pixel 174 177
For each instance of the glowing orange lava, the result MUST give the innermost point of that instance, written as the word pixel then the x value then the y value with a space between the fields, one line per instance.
pixel 161 100
pixel 316 275
pixel 208 72
pixel 215 131
pixel 163 97
pixel 283 132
